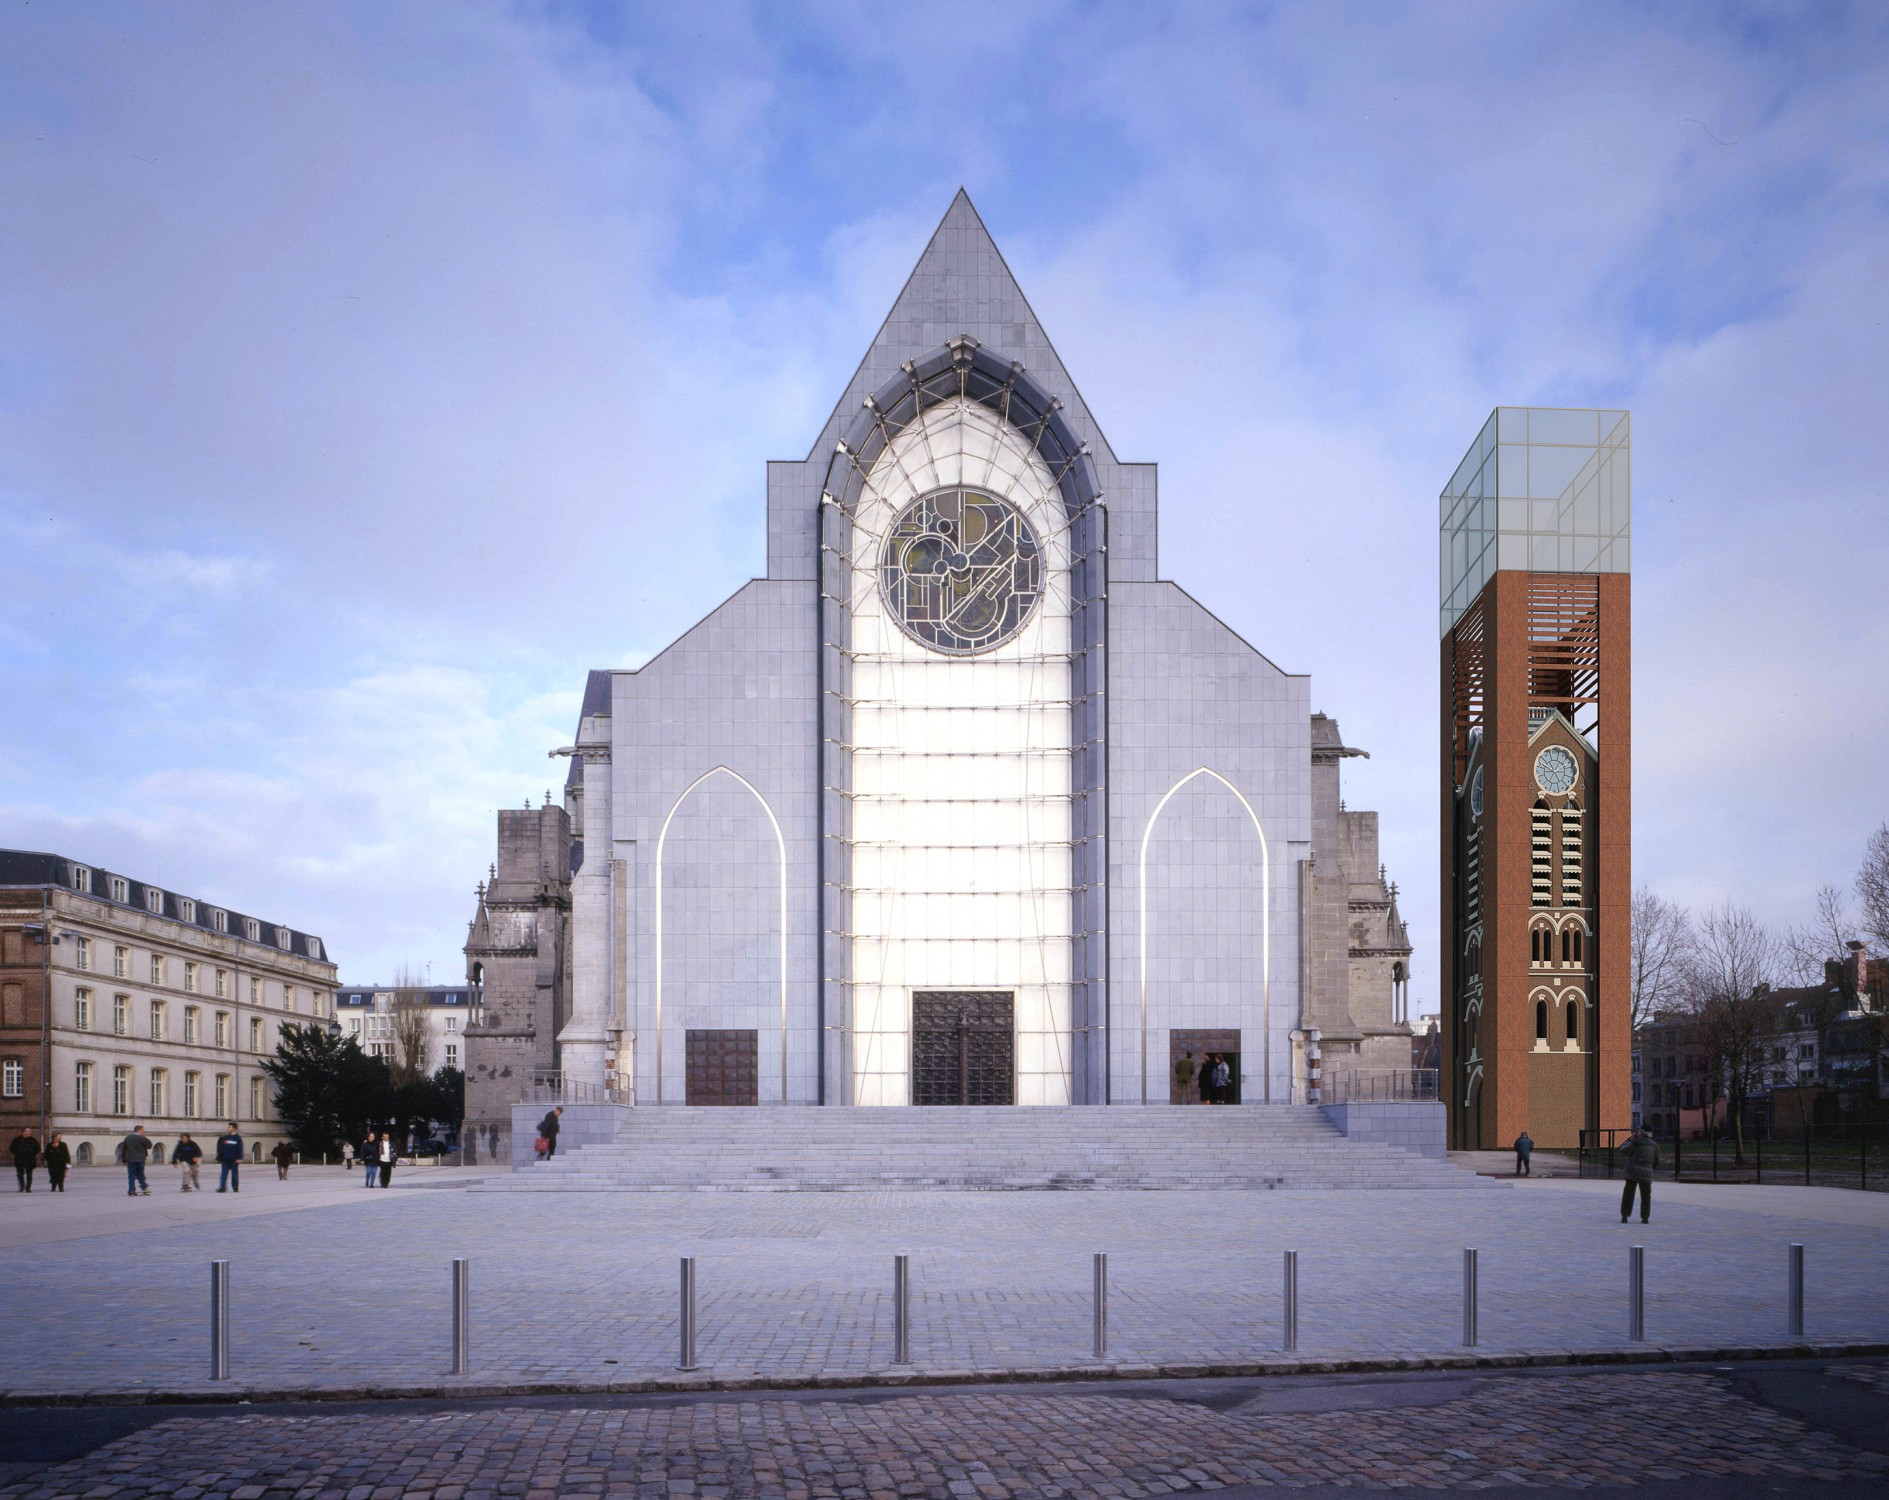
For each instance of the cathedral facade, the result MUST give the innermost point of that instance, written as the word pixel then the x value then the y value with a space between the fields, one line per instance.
pixel 962 802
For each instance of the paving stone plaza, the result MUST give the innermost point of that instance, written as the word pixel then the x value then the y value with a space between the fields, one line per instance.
pixel 580 1290
pixel 342 1293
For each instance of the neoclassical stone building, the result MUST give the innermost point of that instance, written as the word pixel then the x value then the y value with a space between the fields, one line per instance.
pixel 963 802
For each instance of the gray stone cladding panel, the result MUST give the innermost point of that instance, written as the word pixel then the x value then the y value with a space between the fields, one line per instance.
pixel 1186 692
pixel 1414 1125
pixel 738 691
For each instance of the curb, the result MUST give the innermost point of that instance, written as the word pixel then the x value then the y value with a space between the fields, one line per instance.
pixel 894 1380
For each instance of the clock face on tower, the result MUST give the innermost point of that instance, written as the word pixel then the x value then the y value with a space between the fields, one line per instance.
pixel 961 571
pixel 1555 770
pixel 1475 794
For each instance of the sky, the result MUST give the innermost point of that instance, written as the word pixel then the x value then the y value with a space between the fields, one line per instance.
pixel 368 373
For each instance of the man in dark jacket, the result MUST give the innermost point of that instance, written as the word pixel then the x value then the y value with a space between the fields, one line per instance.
pixel 133 1151
pixel 25 1148
pixel 229 1157
pixel 283 1155
pixel 548 1128
pixel 1638 1158
pixel 1524 1149
pixel 184 1156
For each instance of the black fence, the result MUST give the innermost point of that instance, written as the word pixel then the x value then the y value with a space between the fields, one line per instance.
pixel 1852 1154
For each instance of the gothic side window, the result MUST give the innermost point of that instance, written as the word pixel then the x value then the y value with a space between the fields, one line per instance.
pixel 961 571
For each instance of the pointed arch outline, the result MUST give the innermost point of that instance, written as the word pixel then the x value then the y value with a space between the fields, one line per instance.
pixel 1265 925
pixel 780 841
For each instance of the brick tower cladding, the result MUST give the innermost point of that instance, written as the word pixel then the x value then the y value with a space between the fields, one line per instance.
pixel 1536 780
pixel 518 964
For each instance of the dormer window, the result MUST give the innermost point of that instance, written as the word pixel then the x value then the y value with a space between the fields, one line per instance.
pixel 154 901
pixel 282 938
pixel 121 890
pixel 314 947
pixel 82 880
pixel 252 929
pixel 187 910
pixel 220 920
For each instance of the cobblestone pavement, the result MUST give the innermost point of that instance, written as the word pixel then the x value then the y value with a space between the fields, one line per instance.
pixel 1559 1430
pixel 579 1290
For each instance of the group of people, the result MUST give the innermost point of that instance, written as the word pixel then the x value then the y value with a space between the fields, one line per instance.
pixel 377 1154
pixel 134 1152
pixel 28 1156
pixel 1211 1078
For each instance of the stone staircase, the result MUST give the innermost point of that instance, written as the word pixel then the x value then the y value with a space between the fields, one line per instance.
pixel 978 1150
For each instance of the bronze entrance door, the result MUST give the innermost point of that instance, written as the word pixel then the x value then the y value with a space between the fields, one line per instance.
pixel 1196 1047
pixel 964 1047
pixel 723 1067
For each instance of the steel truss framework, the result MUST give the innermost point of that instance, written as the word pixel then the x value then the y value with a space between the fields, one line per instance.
pixel 906 771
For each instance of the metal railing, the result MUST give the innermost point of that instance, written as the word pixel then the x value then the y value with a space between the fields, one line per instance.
pixel 1380 1085
pixel 555 1088
pixel 1852 1155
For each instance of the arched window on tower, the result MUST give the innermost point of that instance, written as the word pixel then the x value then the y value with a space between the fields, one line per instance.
pixel 1541 1025
pixel 1579 945
pixel 1574 1026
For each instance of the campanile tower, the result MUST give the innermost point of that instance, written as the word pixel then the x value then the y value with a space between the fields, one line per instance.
pixel 1536 778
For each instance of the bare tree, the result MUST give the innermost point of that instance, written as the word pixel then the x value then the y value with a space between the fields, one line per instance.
pixel 1661 933
pixel 412 1028
pixel 1729 975
pixel 1824 937
pixel 1872 887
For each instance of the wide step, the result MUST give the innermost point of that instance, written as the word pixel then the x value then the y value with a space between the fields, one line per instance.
pixel 979 1149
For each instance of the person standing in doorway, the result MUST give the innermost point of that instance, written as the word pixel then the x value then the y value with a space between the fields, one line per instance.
pixel 229 1160
pixel 548 1132
pixel 283 1156
pixel 387 1158
pixel 25 1149
pixel 1222 1079
pixel 1524 1149
pixel 58 1160
pixel 1203 1080
pixel 1639 1157
pixel 184 1156
pixel 133 1151
pixel 1183 1077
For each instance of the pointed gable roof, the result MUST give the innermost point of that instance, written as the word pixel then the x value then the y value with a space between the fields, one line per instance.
pixel 961 285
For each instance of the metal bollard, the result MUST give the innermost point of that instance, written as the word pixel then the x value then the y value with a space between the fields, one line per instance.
pixel 685 1353
pixel 1292 1301
pixel 1101 1305
pixel 1469 1298
pixel 901 1309
pixel 219 1320
pixel 462 1317
pixel 1797 1289
pixel 1636 1293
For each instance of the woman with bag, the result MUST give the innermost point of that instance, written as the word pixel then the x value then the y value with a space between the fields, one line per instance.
pixel 58 1158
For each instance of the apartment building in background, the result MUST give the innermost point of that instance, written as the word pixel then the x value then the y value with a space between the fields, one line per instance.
pixel 126 1003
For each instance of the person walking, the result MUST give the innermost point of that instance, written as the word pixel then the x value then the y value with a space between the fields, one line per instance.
pixel 370 1158
pixel 184 1156
pixel 133 1151
pixel 229 1160
pixel 548 1133
pixel 1639 1157
pixel 25 1149
pixel 347 1156
pixel 1183 1077
pixel 388 1156
pixel 1524 1149
pixel 283 1156
pixel 58 1159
